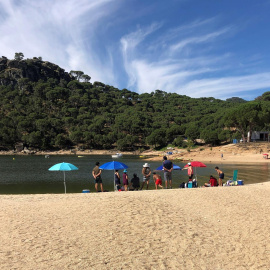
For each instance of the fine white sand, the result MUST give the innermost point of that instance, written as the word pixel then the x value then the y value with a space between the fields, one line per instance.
pixel 204 228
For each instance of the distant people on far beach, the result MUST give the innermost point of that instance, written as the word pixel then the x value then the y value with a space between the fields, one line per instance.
pixel 97 176
pixel 167 168
pixel 220 175
pixel 135 182
pixel 158 180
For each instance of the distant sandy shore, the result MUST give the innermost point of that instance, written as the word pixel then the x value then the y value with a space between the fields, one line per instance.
pixel 204 228
pixel 230 153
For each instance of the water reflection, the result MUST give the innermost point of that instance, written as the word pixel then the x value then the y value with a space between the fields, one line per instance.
pixel 29 174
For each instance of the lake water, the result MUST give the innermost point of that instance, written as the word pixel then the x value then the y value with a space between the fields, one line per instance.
pixel 30 174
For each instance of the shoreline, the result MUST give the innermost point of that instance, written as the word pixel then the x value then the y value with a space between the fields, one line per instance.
pixel 226 154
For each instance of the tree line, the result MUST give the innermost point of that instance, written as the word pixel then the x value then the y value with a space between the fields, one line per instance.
pixel 60 113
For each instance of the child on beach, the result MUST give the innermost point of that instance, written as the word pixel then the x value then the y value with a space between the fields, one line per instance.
pixel 117 182
pixel 157 179
pixel 220 175
pixel 125 180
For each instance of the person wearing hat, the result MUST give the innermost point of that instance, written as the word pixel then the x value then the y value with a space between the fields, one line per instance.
pixel 167 168
pixel 125 179
pixel 97 176
pixel 190 171
pixel 146 172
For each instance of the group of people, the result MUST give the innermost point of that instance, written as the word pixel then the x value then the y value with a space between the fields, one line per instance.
pixel 134 182
pixel 213 182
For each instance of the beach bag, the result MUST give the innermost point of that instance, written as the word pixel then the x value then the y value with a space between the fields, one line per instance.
pixel 182 185
pixel 194 183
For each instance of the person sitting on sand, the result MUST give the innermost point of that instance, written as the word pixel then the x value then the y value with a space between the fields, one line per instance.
pixel 135 182
pixel 125 179
pixel 220 175
pixel 117 181
pixel 212 182
pixel 97 176
pixel 157 179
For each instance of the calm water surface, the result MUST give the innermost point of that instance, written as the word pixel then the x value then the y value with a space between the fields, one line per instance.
pixel 30 174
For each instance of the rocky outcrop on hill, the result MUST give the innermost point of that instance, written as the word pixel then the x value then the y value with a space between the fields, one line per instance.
pixel 11 71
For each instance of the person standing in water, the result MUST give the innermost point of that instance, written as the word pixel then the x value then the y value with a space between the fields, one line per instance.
pixel 220 176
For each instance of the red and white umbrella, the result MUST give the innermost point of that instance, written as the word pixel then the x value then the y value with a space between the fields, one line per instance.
pixel 196 164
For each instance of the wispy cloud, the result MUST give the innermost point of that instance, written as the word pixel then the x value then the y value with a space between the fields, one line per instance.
pixel 197 71
pixel 60 31
pixel 224 87
pixel 197 39
pixel 129 44
pixel 101 38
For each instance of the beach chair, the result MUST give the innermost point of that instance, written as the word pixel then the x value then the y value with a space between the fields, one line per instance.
pixel 235 175
pixel 233 180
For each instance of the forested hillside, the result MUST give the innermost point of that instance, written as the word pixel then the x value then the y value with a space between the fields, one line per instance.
pixel 46 108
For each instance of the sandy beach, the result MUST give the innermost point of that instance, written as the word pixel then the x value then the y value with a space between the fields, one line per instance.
pixel 204 228
pixel 230 153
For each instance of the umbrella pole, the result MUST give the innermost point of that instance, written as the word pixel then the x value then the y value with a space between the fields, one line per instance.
pixel 114 187
pixel 65 182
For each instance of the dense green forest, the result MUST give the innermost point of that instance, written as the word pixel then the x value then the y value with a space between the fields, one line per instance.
pixel 46 108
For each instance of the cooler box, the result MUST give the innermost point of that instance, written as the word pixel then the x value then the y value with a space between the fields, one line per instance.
pixel 240 182
pixel 189 184
pixel 86 191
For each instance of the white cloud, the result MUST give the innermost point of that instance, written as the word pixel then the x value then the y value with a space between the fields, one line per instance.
pixel 224 87
pixel 197 39
pixel 60 31
pixel 174 70
pixel 90 35
pixel 128 48
pixel 179 79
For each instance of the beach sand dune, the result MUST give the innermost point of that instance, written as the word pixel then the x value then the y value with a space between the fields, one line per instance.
pixel 204 228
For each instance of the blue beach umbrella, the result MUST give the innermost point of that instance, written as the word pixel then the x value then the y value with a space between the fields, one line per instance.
pixel 113 165
pixel 175 167
pixel 64 167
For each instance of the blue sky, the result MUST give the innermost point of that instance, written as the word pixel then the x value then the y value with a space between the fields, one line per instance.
pixel 198 48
